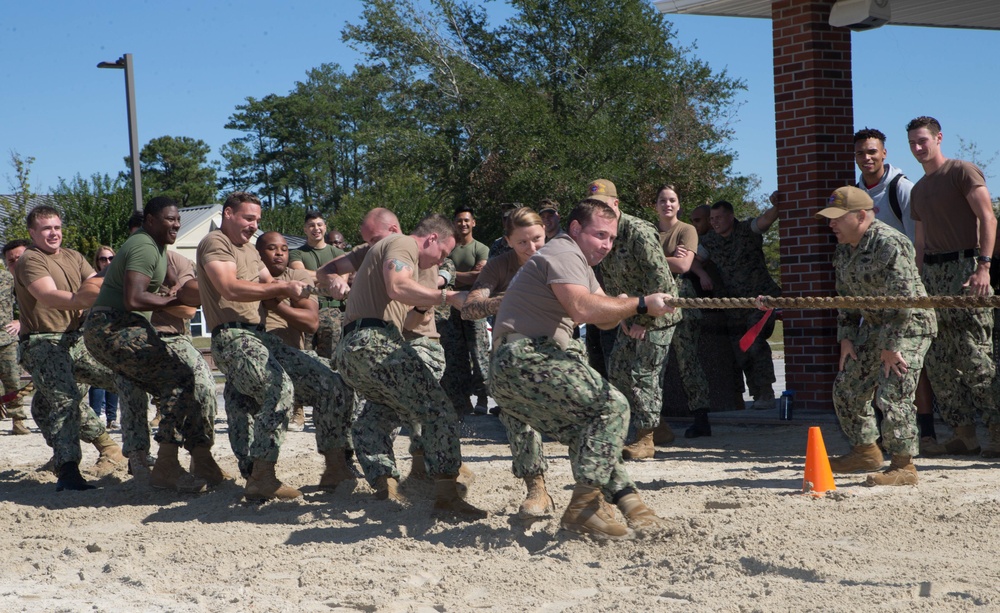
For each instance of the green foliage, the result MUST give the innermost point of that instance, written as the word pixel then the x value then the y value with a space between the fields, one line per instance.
pixel 16 209
pixel 284 219
pixel 177 166
pixel 95 211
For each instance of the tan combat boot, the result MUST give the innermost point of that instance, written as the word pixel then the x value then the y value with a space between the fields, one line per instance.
pixel 263 484
pixel 168 474
pixel 19 427
pixel 448 504
pixel 588 514
pixel 642 448
pixel 110 457
pixel 537 503
pixel 638 516
pixel 465 479
pixel 138 466
pixel 861 458
pixel 662 434
pixel 155 422
pixel 204 466
pixel 962 442
pixel 387 488
pixel 418 468
pixel 336 471
pixel 298 421
pixel 901 471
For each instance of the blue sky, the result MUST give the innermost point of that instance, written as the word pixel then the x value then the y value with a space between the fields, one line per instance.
pixel 195 61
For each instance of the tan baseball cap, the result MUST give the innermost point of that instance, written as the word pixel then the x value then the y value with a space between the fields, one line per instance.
pixel 846 200
pixel 602 190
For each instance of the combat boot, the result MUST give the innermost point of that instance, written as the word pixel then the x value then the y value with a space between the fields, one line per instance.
pixel 204 466
pixel 962 442
pixel 298 421
pixel 642 448
pixel 138 466
pixel 168 474
pixel 418 468
pixel 387 488
pixel 901 471
pixel 992 450
pixel 662 434
pixel 71 479
pixel 110 457
pixel 861 458
pixel 18 427
pixel 700 427
pixel 465 479
pixel 448 504
pixel 537 503
pixel 263 484
pixel 638 516
pixel 336 471
pixel 588 514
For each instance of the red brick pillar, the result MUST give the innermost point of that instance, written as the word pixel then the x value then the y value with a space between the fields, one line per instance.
pixel 814 112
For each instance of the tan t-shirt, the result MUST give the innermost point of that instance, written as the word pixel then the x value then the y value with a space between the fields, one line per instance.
pixel 68 270
pixel 530 307
pixel 182 269
pixel 216 246
pixel 939 201
pixel 498 273
pixel 428 278
pixel 278 325
pixel 681 234
pixel 368 295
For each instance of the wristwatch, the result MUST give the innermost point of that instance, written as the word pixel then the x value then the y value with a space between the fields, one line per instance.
pixel 641 308
pixel 984 259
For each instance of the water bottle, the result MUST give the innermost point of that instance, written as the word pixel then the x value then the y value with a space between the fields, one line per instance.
pixel 785 405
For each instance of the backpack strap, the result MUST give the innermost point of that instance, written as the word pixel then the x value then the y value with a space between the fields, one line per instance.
pixel 894 197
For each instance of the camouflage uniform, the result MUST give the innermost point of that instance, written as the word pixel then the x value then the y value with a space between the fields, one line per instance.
pixel 883 264
pixel 739 258
pixel 636 265
pixel 402 388
pixel 327 334
pixel 10 370
pixel 570 402
pixel 466 348
pixel 686 343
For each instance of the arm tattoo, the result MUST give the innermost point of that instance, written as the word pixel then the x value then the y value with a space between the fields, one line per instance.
pixel 480 304
pixel 396 265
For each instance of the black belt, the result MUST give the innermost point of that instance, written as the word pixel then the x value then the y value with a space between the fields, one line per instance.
pixel 365 322
pixel 237 324
pixel 941 258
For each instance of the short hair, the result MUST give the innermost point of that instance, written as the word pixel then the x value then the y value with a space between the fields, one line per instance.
pixel 725 205
pixel 435 223
pixel 702 208
pixel 156 205
pixel 41 211
pixel 235 199
pixel 98 251
pixel 329 235
pixel 866 133
pixel 588 208
pixel 522 217
pixel 261 239
pixel 313 214
pixel 14 244
pixel 924 122
pixel 135 221
pixel 463 209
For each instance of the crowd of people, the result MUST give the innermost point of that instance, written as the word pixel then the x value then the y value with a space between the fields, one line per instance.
pixel 393 333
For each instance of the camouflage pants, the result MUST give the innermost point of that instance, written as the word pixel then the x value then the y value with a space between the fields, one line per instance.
pixel 10 376
pixel 686 344
pixel 755 362
pixel 864 378
pixel 61 367
pixel 327 335
pixel 402 389
pixel 960 361
pixel 636 368
pixel 128 344
pixel 526 452
pixel 554 391
pixel 258 393
pixel 467 355
pixel 432 354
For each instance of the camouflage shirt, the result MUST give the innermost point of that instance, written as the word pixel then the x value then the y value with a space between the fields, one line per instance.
pixel 883 264
pixel 6 306
pixel 740 260
pixel 636 266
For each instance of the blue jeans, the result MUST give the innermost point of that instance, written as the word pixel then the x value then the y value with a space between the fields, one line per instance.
pixel 101 399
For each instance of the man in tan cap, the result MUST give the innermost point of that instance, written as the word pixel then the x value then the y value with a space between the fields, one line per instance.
pixel 881 350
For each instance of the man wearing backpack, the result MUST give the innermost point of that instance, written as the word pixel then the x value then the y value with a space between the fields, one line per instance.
pixel 887 185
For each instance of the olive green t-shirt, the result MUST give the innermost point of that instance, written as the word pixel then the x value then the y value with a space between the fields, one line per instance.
pixel 68 270
pixel 312 259
pixel 216 246
pixel 140 254
pixel 466 257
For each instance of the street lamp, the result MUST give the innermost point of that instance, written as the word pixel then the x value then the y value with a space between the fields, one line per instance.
pixel 125 62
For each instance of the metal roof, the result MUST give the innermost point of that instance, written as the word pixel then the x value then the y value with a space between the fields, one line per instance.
pixel 975 14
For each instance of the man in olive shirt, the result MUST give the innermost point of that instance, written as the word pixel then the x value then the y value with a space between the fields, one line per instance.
pixel 309 258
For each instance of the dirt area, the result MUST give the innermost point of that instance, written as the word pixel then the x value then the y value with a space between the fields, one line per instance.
pixel 744 538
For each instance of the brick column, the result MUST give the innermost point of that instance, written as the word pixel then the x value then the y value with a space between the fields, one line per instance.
pixel 814 112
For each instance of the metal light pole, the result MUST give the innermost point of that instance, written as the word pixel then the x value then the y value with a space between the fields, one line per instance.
pixel 125 62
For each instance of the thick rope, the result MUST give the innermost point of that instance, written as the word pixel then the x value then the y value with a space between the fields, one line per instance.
pixel 842 302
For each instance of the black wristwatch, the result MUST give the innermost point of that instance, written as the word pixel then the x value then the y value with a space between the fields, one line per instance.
pixel 984 259
pixel 641 308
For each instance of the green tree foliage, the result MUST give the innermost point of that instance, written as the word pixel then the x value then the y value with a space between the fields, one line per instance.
pixel 95 211
pixel 16 209
pixel 178 167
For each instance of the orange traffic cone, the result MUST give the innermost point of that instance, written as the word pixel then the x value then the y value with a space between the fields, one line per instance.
pixel 819 477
